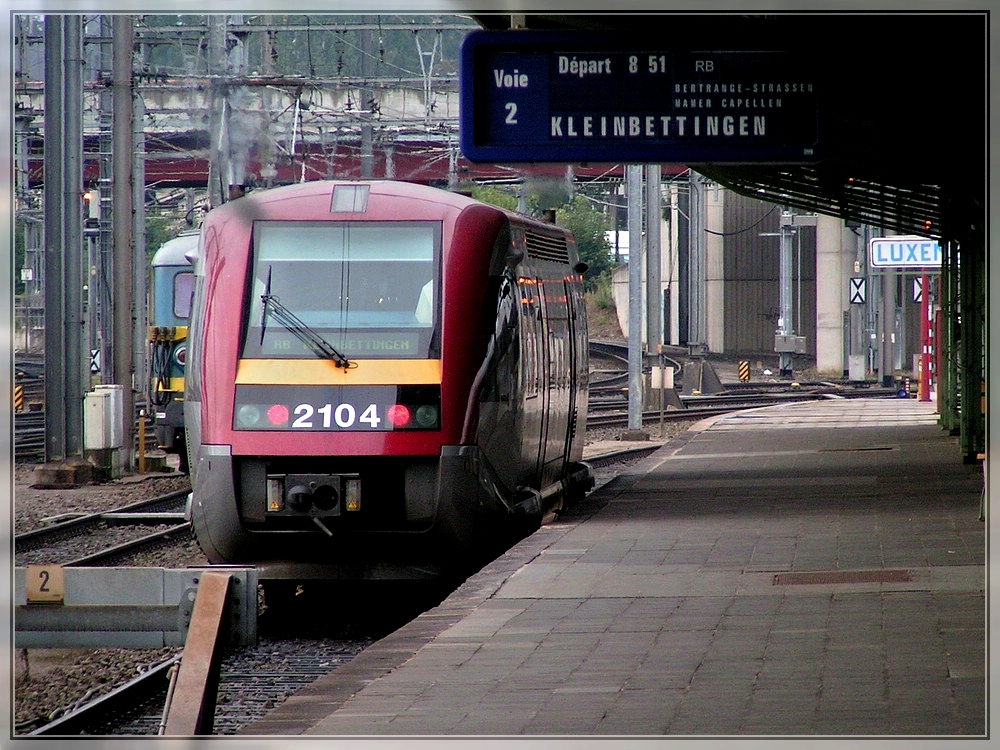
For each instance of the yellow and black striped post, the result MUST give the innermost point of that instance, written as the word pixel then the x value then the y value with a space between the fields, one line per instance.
pixel 18 398
pixel 744 370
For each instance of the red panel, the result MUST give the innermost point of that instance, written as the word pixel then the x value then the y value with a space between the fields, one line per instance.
pixel 335 444
pixel 226 248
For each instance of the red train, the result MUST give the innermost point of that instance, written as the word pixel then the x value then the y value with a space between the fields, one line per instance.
pixel 385 380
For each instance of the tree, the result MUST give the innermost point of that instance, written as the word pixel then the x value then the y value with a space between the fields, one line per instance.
pixel 495 196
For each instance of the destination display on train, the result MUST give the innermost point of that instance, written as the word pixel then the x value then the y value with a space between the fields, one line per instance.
pixel 537 96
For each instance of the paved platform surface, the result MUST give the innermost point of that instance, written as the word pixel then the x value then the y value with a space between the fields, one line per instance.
pixel 813 569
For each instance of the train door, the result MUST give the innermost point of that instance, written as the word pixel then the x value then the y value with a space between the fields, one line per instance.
pixel 545 373
pixel 555 338
pixel 532 378
pixel 573 367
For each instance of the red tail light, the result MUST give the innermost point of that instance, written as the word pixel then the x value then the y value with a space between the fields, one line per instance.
pixel 277 415
pixel 399 415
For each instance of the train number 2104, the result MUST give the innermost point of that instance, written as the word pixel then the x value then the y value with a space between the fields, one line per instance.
pixel 326 416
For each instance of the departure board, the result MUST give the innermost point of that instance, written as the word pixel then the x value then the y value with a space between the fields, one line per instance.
pixel 540 96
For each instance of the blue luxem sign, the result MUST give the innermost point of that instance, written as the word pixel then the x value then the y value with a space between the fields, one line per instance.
pixel 575 96
pixel 904 252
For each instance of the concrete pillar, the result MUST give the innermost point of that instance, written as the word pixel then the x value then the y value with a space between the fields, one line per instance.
pixel 714 200
pixel 834 261
pixel 887 327
pixel 654 260
pixel 672 270
pixel 695 268
pixel 635 196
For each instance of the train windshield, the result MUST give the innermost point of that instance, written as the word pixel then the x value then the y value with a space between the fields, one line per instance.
pixel 370 289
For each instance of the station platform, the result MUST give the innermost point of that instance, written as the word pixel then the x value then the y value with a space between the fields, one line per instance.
pixel 806 570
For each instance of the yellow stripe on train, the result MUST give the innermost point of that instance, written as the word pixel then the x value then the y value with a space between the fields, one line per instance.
pixel 175 385
pixel 325 372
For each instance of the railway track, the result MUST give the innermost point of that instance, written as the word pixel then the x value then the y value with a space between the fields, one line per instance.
pixel 611 414
pixel 616 376
pixel 298 642
pixel 105 538
pixel 253 680
pixel 103 715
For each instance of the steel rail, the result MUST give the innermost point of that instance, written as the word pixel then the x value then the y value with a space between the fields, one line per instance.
pixel 101 711
pixel 680 415
pixel 31 540
pixel 625 454
pixel 112 555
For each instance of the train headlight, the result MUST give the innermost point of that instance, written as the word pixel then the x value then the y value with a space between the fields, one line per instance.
pixel 247 415
pixel 426 416
pixel 180 355
pixel 399 415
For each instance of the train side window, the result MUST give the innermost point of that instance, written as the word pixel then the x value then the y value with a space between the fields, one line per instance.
pixel 183 292
pixel 192 384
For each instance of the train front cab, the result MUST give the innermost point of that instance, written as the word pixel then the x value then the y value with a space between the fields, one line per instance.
pixel 426 498
pixel 171 290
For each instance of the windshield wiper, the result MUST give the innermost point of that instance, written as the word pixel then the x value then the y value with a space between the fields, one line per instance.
pixel 301 330
pixel 263 311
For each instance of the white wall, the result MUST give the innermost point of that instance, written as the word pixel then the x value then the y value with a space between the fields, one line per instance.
pixel 715 281
pixel 619 274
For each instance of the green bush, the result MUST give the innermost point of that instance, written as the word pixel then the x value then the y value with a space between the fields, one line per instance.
pixel 600 296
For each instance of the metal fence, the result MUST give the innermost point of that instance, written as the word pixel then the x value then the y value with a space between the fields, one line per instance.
pixel 29 433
